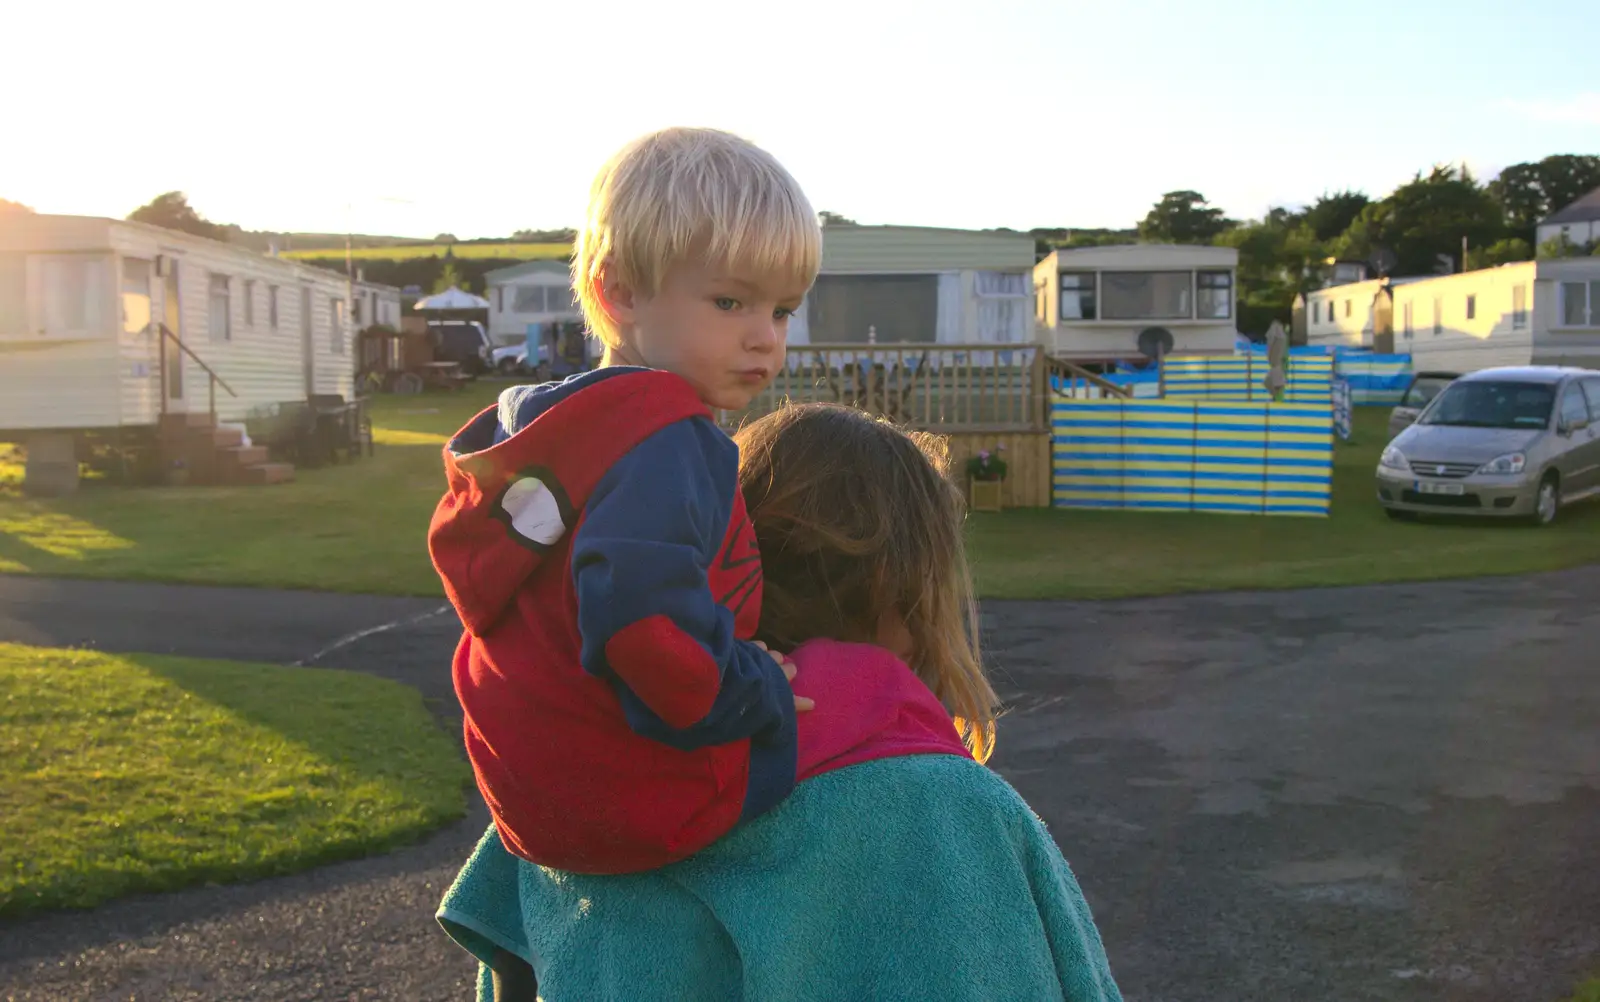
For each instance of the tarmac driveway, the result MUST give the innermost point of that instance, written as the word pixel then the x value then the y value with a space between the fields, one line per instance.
pixel 1369 793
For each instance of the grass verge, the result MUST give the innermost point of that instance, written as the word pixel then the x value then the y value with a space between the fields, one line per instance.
pixel 1589 991
pixel 130 773
pixel 1044 553
pixel 363 528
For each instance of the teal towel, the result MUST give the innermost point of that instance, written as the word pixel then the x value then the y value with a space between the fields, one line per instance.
pixel 921 877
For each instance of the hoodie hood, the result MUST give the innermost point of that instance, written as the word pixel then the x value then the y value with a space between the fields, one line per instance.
pixel 519 474
pixel 869 706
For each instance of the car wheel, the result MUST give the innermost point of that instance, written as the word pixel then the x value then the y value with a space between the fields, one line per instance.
pixel 1547 502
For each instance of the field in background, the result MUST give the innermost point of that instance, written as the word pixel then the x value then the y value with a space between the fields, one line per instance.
pixel 510 252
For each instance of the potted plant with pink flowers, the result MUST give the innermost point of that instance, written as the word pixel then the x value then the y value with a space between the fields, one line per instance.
pixel 986 474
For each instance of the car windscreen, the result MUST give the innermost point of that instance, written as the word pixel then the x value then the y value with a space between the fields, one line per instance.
pixel 1424 390
pixel 1492 404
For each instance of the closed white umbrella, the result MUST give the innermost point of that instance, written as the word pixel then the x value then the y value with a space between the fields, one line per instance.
pixel 452 299
pixel 1277 360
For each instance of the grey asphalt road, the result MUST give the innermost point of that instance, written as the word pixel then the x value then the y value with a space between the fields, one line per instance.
pixel 1387 793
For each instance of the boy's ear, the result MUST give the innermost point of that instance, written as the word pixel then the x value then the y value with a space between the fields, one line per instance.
pixel 615 297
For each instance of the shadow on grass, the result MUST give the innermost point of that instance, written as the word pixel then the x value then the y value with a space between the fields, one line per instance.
pixel 358 527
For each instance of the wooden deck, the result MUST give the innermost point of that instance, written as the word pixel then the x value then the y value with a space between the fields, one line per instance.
pixel 980 396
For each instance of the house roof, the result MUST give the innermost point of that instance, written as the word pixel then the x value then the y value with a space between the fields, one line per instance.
pixel 1585 209
pixel 544 265
pixel 1139 256
pixel 835 228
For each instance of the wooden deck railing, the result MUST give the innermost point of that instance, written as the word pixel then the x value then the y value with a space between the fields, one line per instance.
pixel 214 379
pixel 936 387
pixel 1073 380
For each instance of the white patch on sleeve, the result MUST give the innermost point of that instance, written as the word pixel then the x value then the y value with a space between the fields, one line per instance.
pixel 534 512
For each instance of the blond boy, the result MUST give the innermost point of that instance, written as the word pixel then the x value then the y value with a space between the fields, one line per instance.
pixel 593 539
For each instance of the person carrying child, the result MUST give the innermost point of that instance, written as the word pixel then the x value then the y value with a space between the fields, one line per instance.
pixel 900 867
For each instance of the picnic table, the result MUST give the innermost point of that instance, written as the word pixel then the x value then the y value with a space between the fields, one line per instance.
pixel 313 432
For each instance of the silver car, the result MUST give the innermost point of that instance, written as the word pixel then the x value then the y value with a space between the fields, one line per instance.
pixel 1517 442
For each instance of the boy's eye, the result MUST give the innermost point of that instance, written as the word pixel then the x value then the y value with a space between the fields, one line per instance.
pixel 782 313
pixel 725 303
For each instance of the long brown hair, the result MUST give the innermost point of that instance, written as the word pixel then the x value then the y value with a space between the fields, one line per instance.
pixel 857 521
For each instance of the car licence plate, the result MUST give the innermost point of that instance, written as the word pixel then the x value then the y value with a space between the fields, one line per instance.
pixel 1423 487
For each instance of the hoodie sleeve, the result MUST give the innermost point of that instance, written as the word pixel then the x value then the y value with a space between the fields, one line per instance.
pixel 648 620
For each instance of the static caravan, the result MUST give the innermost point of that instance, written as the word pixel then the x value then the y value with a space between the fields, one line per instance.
pixel 1566 312
pixel 1133 301
pixel 900 284
pixel 108 325
pixel 1341 315
pixel 374 305
pixel 537 293
pixel 1531 312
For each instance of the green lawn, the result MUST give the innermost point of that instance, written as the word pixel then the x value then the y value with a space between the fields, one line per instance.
pixel 363 528
pixel 405 252
pixel 129 773
pixel 360 527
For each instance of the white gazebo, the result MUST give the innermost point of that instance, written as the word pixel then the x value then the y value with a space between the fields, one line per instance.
pixel 452 299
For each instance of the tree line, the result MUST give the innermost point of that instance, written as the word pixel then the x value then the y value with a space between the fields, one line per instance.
pixel 1416 229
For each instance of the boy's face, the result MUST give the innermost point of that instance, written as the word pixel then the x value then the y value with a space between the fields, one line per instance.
pixel 722 331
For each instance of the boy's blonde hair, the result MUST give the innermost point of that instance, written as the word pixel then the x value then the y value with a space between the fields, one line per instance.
pixel 857 520
pixel 685 193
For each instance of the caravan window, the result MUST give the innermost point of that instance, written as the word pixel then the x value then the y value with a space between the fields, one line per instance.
pixel 135 295
pixel 542 298
pixel 842 308
pixel 336 332
pixel 220 315
pixel 1216 295
pixel 1146 295
pixel 1580 304
pixel 528 299
pixel 73 295
pixel 1077 296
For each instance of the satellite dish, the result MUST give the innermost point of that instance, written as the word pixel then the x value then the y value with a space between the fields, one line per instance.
pixel 1383 260
pixel 1155 342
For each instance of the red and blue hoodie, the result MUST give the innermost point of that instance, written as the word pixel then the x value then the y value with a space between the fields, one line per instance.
pixel 617 715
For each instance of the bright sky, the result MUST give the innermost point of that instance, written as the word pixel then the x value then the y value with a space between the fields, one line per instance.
pixel 480 118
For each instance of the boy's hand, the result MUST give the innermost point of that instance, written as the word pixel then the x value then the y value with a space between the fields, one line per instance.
pixel 801 703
